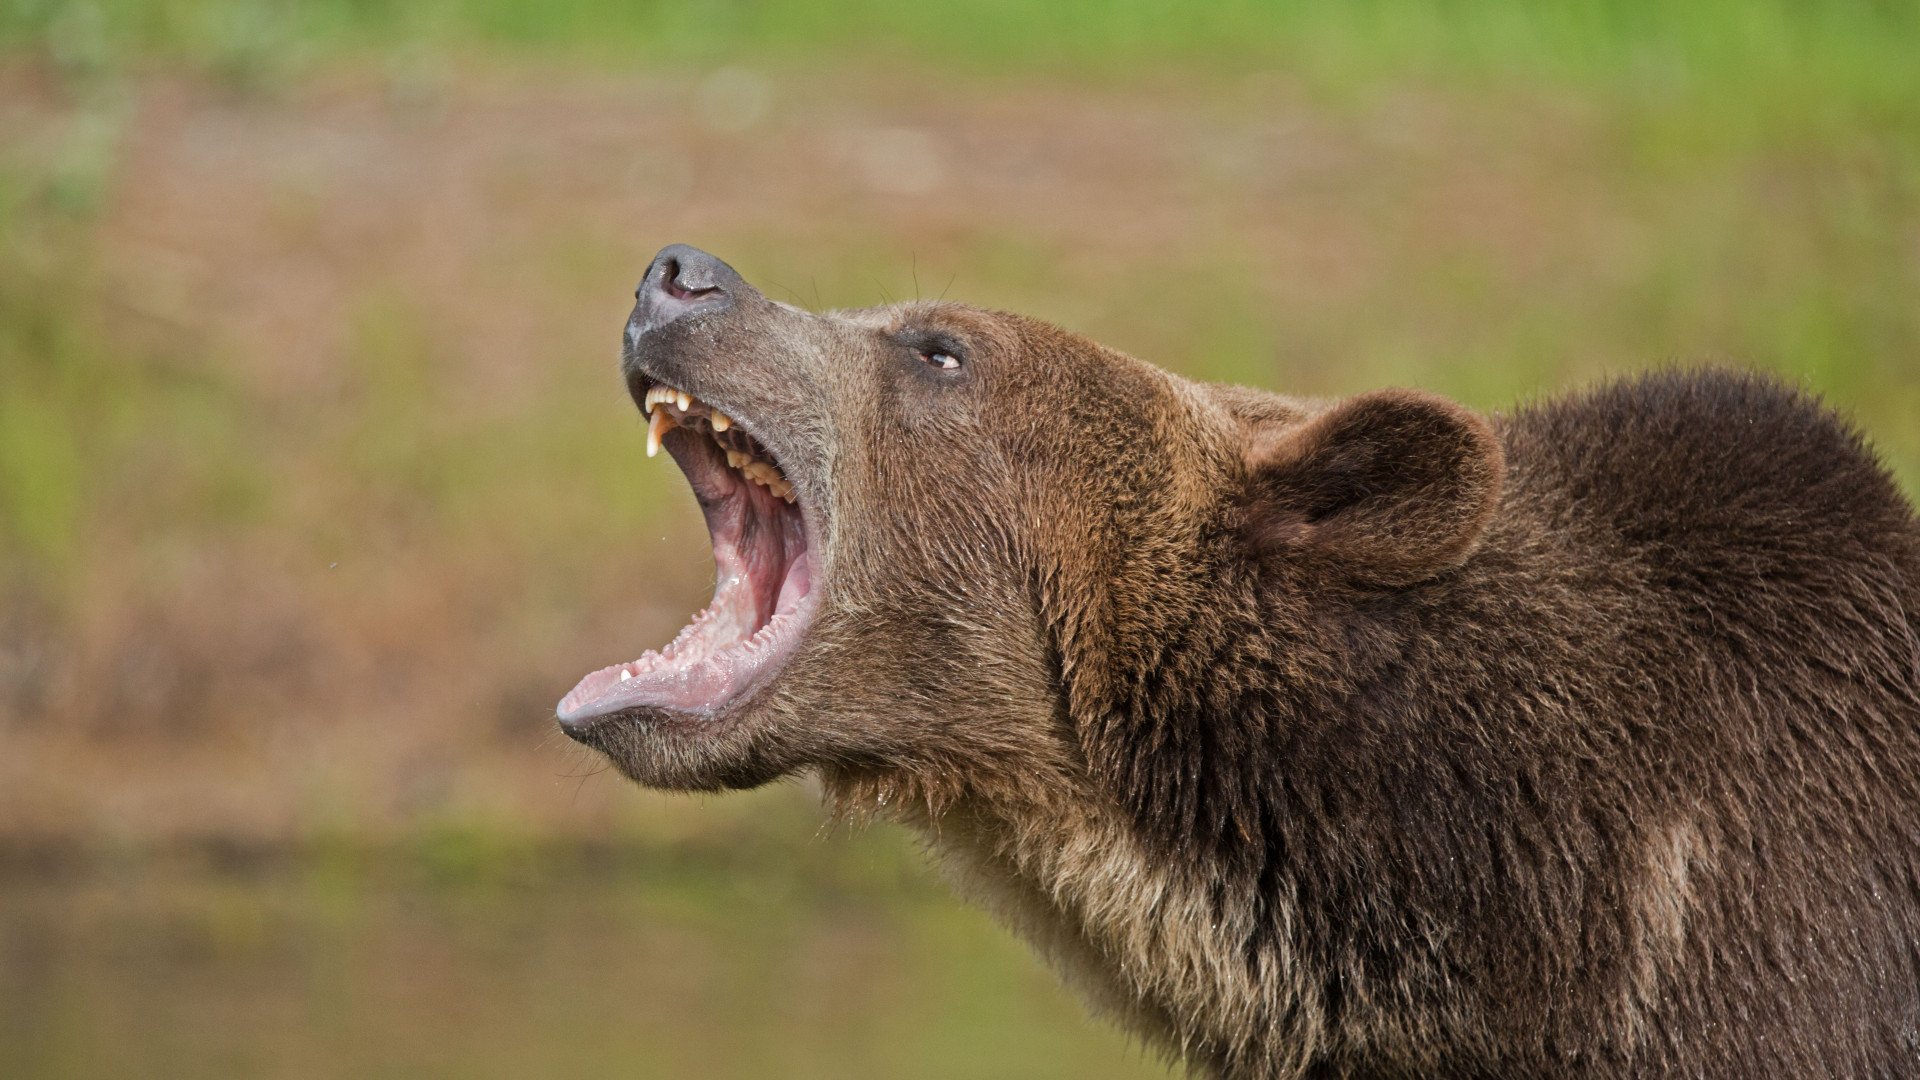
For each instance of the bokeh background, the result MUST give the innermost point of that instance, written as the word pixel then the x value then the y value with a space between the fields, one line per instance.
pixel 318 486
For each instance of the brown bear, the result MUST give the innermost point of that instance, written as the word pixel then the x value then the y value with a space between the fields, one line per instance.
pixel 1362 738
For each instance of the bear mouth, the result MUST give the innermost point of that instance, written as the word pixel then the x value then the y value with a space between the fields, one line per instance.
pixel 763 596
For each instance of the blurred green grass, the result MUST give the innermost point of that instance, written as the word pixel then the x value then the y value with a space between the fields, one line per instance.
pixel 1843 49
pixel 760 962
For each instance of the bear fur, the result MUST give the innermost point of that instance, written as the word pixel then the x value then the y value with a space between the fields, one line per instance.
pixel 1364 738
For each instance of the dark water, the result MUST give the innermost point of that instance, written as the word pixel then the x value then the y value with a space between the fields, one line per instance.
pixel 315 968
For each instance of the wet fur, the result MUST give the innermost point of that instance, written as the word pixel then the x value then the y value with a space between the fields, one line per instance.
pixel 1370 738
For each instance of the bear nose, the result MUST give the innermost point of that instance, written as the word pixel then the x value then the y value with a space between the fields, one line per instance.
pixel 682 281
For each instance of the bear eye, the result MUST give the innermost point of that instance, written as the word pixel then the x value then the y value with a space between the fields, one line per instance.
pixel 937 350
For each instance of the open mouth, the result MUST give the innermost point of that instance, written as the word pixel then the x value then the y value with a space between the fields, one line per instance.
pixel 763 595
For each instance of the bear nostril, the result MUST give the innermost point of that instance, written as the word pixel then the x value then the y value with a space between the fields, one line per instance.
pixel 671 284
pixel 684 281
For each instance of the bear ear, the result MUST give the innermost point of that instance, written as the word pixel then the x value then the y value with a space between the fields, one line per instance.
pixel 1391 487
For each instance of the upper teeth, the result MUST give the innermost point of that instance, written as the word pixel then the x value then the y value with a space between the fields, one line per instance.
pixel 658 424
pixel 662 420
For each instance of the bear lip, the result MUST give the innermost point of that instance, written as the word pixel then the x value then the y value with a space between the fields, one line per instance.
pixel 764 560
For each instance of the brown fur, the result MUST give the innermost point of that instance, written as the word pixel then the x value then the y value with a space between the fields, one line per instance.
pixel 1360 739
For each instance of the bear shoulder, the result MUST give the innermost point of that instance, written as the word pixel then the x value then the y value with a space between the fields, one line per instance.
pixel 1710 457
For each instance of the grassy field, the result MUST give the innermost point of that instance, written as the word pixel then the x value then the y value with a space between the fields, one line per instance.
pixel 317 486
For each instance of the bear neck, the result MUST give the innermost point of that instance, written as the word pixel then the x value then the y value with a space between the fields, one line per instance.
pixel 1188 833
pixel 1135 873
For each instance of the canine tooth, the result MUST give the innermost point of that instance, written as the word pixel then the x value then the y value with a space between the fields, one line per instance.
pixel 720 421
pixel 658 424
pixel 625 674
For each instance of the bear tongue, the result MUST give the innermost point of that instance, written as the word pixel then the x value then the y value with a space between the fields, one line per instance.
pixel 764 573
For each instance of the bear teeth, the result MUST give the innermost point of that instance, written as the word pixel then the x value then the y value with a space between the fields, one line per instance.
pixel 667 408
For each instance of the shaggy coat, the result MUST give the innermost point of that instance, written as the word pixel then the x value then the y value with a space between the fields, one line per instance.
pixel 1370 738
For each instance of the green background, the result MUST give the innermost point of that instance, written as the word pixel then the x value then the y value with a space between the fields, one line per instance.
pixel 317 485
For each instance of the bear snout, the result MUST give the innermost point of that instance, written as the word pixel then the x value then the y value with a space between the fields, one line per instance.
pixel 682 281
